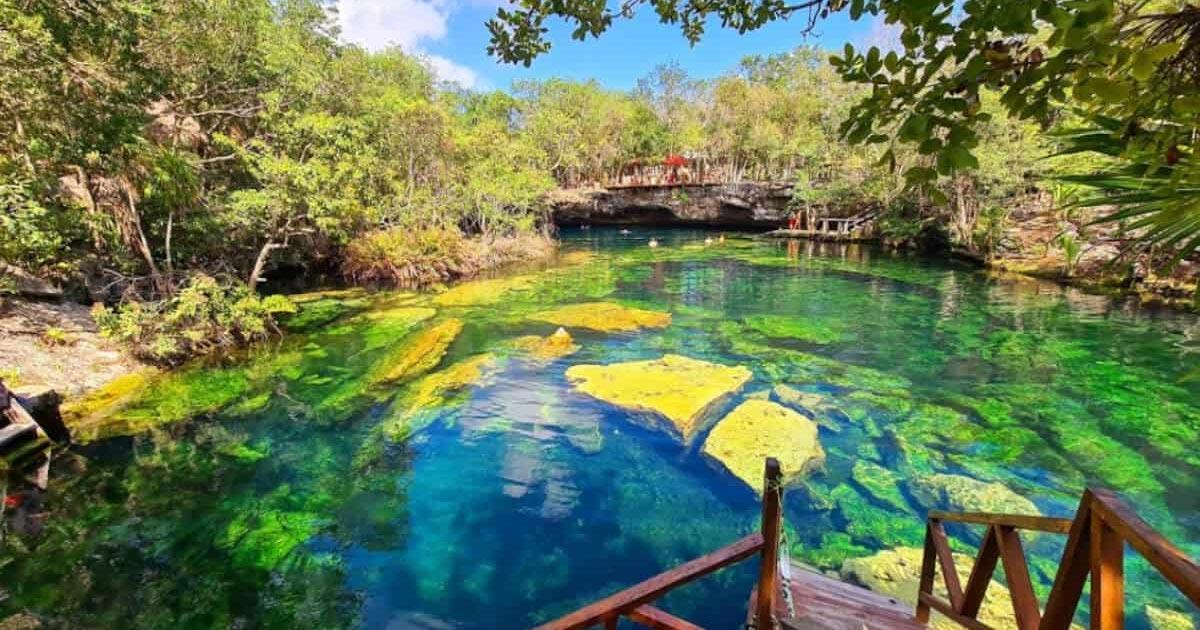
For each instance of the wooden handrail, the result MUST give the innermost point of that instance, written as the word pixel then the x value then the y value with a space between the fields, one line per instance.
pixel 1019 521
pixel 634 602
pixel 1095 547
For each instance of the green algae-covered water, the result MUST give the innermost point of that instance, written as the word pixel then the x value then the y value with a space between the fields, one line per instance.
pixel 407 460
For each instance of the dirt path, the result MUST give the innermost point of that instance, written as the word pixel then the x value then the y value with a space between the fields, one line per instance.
pixel 56 345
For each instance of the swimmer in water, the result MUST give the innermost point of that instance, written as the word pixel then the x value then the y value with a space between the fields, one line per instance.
pixel 653 242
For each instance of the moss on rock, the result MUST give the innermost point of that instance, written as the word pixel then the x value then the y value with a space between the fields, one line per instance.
pixel 555 346
pixel 880 483
pixel 420 354
pixel 483 292
pixel 674 387
pixel 604 317
pixel 758 429
pixel 419 404
pixel 897 573
pixel 965 494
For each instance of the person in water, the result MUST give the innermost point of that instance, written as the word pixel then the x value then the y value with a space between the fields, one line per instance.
pixel 708 241
pixel 653 242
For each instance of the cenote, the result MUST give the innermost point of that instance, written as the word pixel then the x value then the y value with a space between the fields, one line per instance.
pixel 422 460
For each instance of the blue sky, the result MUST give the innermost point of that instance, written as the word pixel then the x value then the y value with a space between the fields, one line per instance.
pixel 451 35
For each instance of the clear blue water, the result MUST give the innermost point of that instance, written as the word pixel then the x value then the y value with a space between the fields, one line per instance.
pixel 521 499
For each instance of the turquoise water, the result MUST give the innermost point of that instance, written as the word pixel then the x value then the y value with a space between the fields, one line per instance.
pixel 266 491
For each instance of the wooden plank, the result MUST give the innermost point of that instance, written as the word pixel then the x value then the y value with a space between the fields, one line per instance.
pixel 1172 562
pixel 1016 571
pixel 941 546
pixel 1020 521
pixel 653 588
pixel 944 607
pixel 652 617
pixel 1073 570
pixel 1108 575
pixel 928 560
pixel 981 574
pixel 824 602
pixel 768 571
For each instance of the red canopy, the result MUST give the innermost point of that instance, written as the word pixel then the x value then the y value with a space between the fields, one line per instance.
pixel 675 160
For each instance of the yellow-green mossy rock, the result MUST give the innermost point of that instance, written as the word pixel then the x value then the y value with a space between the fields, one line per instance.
pixel 420 354
pixel 83 413
pixel 555 346
pixel 604 317
pixel 897 573
pixel 479 292
pixel 759 429
pixel 435 390
pixel 677 388
pixel 1162 619
pixel 964 494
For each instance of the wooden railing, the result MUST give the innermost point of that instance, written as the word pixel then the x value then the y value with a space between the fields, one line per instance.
pixel 1095 546
pixel 635 601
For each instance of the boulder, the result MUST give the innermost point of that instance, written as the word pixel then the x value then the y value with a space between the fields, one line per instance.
pixel 758 429
pixel 27 284
pixel 604 317
pixel 167 126
pixel 965 494
pixel 897 573
pixel 555 346
pixel 678 389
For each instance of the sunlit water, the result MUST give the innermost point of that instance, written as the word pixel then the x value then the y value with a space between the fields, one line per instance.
pixel 261 493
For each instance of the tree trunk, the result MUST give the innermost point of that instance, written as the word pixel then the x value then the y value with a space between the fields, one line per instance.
pixel 260 263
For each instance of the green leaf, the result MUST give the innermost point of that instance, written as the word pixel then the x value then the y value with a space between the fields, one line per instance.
pixel 915 128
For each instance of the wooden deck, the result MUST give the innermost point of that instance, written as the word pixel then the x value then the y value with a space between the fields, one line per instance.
pixel 823 603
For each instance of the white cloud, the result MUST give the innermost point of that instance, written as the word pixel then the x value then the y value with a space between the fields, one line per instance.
pixel 448 70
pixel 379 24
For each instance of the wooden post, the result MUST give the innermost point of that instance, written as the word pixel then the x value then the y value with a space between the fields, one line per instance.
pixel 1108 576
pixel 768 572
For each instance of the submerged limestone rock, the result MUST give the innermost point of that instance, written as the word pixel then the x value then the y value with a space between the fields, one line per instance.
pixel 965 494
pixel 420 354
pixel 758 429
pixel 482 292
pixel 1162 619
pixel 677 388
pixel 817 406
pixel 604 317
pixel 897 573
pixel 799 328
pixel 414 409
pixel 555 346
pixel 880 483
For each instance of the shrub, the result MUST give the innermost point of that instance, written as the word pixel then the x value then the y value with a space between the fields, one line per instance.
pixel 420 257
pixel 204 316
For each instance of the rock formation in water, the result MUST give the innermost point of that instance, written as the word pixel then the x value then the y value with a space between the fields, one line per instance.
pixel 554 346
pixel 964 494
pixel 745 205
pixel 679 389
pixel 897 573
pixel 758 429
pixel 604 317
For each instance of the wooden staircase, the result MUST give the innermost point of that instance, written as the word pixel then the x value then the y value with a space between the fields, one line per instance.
pixel 1096 540
pixel 24 445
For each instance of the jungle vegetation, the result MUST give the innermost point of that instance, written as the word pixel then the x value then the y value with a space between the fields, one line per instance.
pixel 147 148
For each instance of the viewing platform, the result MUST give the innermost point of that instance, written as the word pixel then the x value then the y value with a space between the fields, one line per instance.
pixel 788 596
